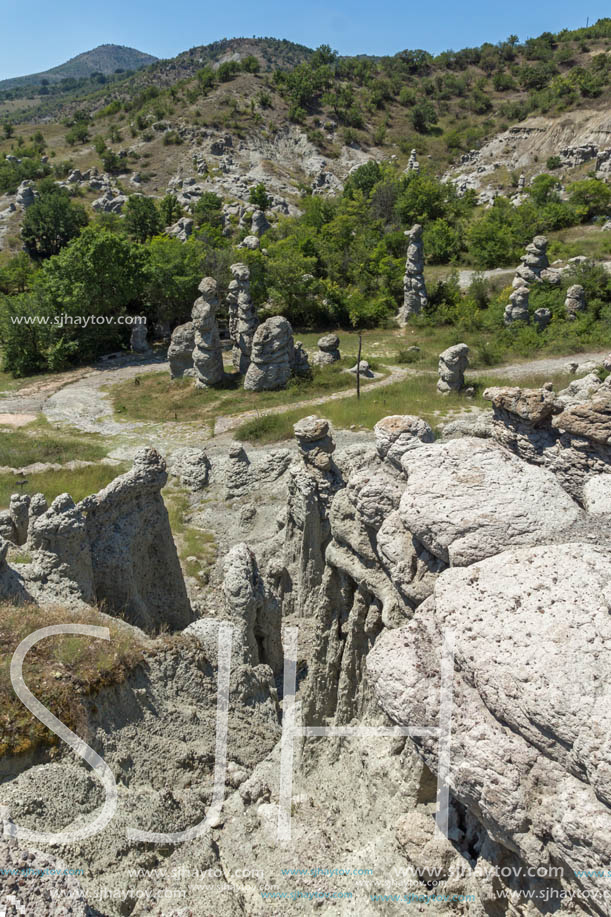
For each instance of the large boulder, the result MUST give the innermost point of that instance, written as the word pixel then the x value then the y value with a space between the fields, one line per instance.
pixel 272 356
pixel 468 498
pixel 180 351
pixel 328 350
pixel 530 717
pixel 451 368
pixel 399 433
pixel 243 319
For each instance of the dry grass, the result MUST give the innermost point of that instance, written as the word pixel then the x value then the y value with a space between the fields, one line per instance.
pixel 60 671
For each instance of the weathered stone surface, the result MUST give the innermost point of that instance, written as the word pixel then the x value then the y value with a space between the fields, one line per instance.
pixel 136 571
pixel 364 369
pixel 138 342
pixel 314 441
pixel 182 229
pixel 414 289
pixel 451 368
pixel 180 351
pixel 272 356
pixel 239 477
pixel 597 495
pixel 533 262
pixel 61 552
pixel 259 223
pixel 516 309
pixel 536 406
pixel 398 433
pixel 590 419
pixel 37 883
pixel 328 350
pixel 243 321
pixel 580 390
pixel 575 301
pixel 301 362
pixel 255 614
pixel 19 508
pixel 542 318
pixel 412 163
pixel 530 715
pixel 26 194
pixel 480 500
pixel 192 468
pixel 207 353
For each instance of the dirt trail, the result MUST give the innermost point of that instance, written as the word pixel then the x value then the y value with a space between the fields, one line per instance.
pixel 76 399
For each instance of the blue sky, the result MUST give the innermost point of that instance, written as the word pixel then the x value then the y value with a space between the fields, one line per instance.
pixel 40 34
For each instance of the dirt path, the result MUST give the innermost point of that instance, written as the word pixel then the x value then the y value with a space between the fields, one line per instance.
pixel 77 399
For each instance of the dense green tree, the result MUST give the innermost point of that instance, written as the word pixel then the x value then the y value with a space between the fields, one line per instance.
pixel 51 221
pixel 78 133
pixel 259 197
pixel 590 197
pixel 142 218
pixel 208 210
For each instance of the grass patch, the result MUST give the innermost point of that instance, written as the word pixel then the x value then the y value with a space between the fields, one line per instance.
pixel 60 671
pixel 40 442
pixel 191 541
pixel 78 483
pixel 157 398
pixel 415 395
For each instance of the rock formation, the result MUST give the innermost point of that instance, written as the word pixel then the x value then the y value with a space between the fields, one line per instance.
pixel 14 521
pixel 301 362
pixel 61 553
pixel 192 468
pixel 451 369
pixel 207 352
pixel 412 163
pixel 516 309
pixel 136 571
pixel 575 301
pixel 272 356
pixel 259 223
pixel 414 290
pixel 542 318
pixel 255 614
pixel 243 319
pixel 363 369
pixel 238 477
pixel 567 433
pixel 328 350
pixel 180 351
pixel 532 263
pixel 398 433
pixel 138 342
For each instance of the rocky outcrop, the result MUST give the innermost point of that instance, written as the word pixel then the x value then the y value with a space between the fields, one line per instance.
pixel 451 369
pixel 182 229
pixel 313 481
pixel 135 566
pixel 207 352
pixel 62 566
pixel 14 521
pixel 530 630
pixel 238 476
pixel 328 350
pixel 259 223
pixel 414 289
pixel 575 301
pixel 532 263
pixel 567 433
pixel 542 318
pixel 180 351
pixel 255 613
pixel 516 309
pixel 243 319
pixel 397 434
pixel 272 356
pixel 192 468
pixel 26 195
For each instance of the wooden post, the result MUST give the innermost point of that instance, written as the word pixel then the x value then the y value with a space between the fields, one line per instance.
pixel 358 367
